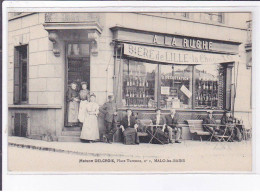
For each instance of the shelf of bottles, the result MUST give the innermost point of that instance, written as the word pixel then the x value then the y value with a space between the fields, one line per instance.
pixel 206 94
pixel 138 91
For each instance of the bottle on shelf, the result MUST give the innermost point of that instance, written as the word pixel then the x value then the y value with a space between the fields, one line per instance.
pixel 197 99
pixel 130 81
pixel 203 99
pixel 199 86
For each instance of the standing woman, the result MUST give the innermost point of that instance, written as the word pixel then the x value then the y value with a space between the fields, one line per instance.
pixel 73 104
pixel 90 130
pixel 84 98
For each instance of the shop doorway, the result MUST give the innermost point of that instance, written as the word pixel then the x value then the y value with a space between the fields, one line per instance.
pixel 78 71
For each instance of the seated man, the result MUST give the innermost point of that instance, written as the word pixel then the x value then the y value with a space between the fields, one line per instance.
pixel 160 120
pixel 172 122
pixel 210 125
pixel 227 121
pixel 128 125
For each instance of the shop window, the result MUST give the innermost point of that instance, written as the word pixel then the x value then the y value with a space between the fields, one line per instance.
pixel 176 86
pixel 207 90
pixel 213 86
pixel 21 74
pixel 140 84
pixel 148 85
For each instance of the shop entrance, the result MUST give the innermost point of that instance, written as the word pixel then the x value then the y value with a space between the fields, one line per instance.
pixel 78 71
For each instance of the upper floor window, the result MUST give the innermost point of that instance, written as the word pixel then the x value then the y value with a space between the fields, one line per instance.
pixel 185 14
pixel 214 17
pixel 17 13
pixel 21 74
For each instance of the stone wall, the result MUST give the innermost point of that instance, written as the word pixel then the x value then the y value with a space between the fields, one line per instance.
pixel 46 72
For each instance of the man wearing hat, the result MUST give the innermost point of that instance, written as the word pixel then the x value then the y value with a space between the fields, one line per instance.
pixel 110 112
pixel 210 125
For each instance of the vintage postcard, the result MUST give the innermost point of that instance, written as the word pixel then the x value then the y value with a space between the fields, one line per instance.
pixel 129 92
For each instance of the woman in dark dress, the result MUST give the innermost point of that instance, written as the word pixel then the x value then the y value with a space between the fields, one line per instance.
pixel 73 104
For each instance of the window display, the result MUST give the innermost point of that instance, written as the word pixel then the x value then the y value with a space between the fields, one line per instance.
pixel 139 84
pixel 176 86
pixel 148 85
pixel 207 79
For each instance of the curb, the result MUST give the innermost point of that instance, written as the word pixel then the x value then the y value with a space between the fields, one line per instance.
pixel 71 152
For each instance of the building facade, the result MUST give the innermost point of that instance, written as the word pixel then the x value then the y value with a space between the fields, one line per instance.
pixel 192 62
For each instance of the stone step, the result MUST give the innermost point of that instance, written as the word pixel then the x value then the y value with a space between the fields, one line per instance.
pixel 71 133
pixel 72 129
pixel 69 139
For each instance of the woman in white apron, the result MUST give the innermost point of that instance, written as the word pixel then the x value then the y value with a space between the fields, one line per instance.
pixel 90 129
pixel 84 98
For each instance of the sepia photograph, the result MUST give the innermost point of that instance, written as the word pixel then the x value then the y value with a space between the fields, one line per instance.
pixel 129 92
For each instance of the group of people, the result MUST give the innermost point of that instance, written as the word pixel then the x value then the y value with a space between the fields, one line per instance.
pixel 82 107
pixel 227 126
pixel 129 123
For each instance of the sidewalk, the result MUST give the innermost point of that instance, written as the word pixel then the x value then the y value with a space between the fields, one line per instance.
pixel 143 150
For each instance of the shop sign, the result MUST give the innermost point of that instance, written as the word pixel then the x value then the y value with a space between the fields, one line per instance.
pixel 175 56
pixel 165 90
pixel 186 91
pixel 189 43
pixel 175 41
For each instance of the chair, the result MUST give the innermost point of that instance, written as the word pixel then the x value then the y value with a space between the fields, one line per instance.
pixel 225 136
pixel 196 129
pixel 246 133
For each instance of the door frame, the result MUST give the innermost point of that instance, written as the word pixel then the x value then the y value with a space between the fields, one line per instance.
pixel 66 73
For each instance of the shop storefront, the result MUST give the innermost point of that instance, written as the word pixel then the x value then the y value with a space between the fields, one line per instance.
pixel 144 69
pixel 165 71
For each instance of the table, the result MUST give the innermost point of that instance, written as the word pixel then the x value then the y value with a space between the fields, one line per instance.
pixel 153 133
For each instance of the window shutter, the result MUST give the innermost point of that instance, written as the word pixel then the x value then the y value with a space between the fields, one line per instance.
pixel 16 77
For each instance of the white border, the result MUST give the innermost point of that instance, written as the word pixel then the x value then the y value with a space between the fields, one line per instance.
pixel 123 182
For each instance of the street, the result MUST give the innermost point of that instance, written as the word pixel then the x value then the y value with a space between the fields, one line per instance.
pixel 192 156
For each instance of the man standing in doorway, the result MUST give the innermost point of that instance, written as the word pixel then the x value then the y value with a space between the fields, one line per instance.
pixel 172 122
pixel 110 112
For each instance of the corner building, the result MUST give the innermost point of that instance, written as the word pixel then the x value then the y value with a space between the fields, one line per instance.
pixel 192 62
